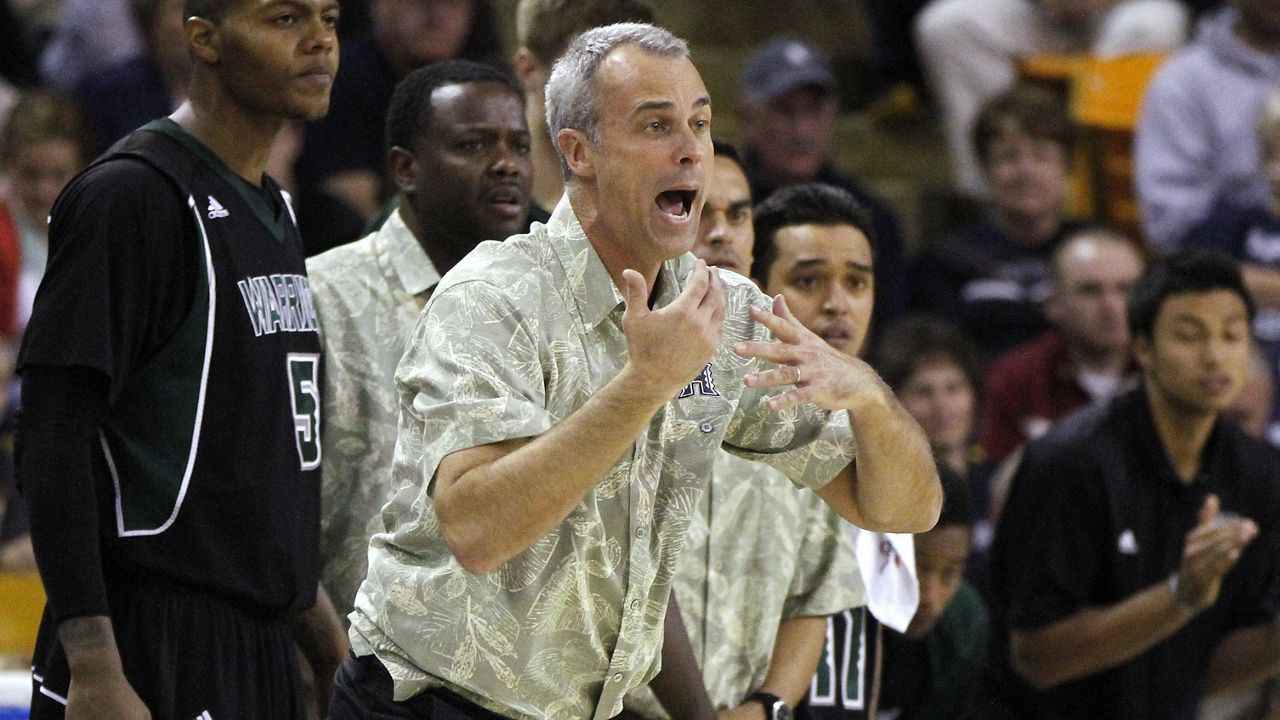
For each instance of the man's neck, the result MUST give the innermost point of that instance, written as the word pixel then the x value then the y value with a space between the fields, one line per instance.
pixel 1105 362
pixel 1028 231
pixel 437 242
pixel 770 178
pixel 955 457
pixel 240 140
pixel 1183 432
pixel 607 244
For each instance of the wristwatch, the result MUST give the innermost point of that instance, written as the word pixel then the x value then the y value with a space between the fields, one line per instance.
pixel 775 708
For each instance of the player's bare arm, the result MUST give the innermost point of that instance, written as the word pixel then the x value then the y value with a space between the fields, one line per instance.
pixel 98 686
pixel 527 487
pixel 893 486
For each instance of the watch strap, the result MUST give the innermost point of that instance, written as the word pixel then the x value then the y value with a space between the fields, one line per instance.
pixel 769 701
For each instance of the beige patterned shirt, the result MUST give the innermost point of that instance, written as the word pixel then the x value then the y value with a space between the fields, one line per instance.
pixel 516 338
pixel 368 295
pixel 759 552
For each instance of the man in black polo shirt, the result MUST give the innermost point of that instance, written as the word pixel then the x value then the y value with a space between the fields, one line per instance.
pixel 1135 565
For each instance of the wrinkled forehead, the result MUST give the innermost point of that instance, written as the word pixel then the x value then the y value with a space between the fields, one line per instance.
pixel 630 79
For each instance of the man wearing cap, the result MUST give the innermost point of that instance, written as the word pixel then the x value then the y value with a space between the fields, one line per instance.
pixel 787 103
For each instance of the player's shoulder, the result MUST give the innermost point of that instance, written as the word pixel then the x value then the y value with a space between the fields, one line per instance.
pixel 122 177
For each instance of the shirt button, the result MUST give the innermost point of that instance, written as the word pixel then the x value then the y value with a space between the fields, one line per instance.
pixel 642 533
pixel 706 427
pixel 635 603
pixel 617 677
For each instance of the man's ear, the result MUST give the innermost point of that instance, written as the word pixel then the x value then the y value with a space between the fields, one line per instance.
pixel 1143 353
pixel 579 154
pixel 204 39
pixel 403 168
pixel 528 70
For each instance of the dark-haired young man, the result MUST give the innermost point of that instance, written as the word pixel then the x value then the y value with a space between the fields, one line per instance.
pixel 1135 564
pixel 458 150
pixel 169 443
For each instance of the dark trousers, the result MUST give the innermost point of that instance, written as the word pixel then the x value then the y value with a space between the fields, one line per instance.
pixel 362 691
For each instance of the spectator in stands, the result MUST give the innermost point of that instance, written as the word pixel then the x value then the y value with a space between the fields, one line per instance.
pixel 368 294
pixel 17 65
pixel 1249 230
pixel 123 98
pixel 992 277
pixel 932 671
pixel 1126 580
pixel 1196 145
pixel 1084 358
pixel 544 29
pixel 1252 411
pixel 787 106
pixel 43 146
pixel 933 369
pixel 970 50
pixel 341 179
pixel 91 36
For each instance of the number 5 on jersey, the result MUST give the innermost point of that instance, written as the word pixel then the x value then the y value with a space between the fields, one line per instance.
pixel 304 387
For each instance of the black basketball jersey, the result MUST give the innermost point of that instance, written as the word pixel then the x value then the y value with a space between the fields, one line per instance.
pixel 842 686
pixel 212 446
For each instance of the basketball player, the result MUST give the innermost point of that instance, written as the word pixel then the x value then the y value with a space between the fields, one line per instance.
pixel 170 445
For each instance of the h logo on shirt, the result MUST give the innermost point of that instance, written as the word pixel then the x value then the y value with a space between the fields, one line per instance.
pixel 704 384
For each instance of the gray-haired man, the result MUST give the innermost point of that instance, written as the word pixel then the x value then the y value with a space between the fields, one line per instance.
pixel 561 402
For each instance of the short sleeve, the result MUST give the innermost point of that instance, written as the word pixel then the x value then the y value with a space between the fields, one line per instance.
pixel 826 578
pixel 472 375
pixel 121 272
pixel 807 444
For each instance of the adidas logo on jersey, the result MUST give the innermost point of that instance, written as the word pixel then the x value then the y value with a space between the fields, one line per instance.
pixel 215 209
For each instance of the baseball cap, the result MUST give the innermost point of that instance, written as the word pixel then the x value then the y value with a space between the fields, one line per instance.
pixel 782 65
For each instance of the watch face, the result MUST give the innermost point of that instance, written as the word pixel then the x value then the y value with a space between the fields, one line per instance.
pixel 781 711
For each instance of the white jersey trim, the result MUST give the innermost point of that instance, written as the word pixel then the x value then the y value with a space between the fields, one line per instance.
pixel 204 383
pixel 51 694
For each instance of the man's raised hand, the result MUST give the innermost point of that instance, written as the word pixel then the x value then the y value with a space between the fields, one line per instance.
pixel 669 346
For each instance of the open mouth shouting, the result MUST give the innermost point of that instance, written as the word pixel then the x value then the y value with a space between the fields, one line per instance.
pixel 676 205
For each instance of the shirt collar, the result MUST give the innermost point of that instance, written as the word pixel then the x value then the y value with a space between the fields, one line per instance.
pixel 405 257
pixel 587 280
pixel 1148 439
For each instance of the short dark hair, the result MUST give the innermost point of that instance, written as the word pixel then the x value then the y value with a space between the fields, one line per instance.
pixel 918 339
pixel 546 27
pixel 1194 270
pixel 957 505
pixel 213 10
pixel 1025 108
pixel 723 148
pixel 803 204
pixel 410 110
